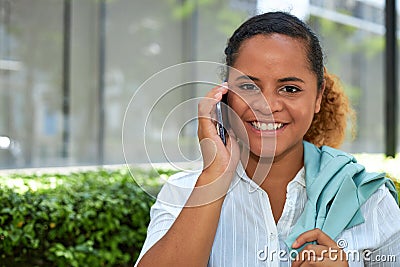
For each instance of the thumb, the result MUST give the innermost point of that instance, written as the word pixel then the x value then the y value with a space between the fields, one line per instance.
pixel 233 147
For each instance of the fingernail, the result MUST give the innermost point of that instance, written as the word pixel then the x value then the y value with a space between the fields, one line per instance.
pixel 295 244
pixel 222 87
pixel 218 95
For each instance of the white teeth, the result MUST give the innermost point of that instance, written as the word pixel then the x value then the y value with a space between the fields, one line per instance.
pixel 266 126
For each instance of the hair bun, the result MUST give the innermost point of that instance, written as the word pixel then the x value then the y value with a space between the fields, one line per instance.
pixel 228 50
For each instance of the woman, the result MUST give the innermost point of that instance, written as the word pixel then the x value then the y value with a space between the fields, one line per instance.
pixel 300 204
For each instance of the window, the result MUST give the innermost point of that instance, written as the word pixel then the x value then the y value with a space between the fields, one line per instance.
pixel 63 97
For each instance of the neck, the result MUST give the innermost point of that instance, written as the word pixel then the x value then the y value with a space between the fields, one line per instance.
pixel 279 169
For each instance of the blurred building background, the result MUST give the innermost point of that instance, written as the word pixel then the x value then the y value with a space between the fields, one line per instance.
pixel 68 68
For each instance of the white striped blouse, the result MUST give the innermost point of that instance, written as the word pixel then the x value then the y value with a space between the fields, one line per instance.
pixel 248 236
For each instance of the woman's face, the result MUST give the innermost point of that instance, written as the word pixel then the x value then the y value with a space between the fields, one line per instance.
pixel 274 70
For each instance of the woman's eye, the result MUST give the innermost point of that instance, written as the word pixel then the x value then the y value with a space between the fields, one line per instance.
pixel 248 86
pixel 290 89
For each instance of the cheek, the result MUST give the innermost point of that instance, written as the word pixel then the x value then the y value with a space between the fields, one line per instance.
pixel 236 104
pixel 235 115
pixel 303 113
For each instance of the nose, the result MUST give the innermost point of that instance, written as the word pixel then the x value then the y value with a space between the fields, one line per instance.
pixel 267 103
pixel 275 103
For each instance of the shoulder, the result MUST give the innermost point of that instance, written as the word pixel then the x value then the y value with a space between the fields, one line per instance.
pixel 381 214
pixel 175 193
pixel 380 232
pixel 383 205
pixel 169 203
pixel 317 159
pixel 184 178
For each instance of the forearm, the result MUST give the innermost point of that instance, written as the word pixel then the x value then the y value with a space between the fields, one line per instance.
pixel 189 240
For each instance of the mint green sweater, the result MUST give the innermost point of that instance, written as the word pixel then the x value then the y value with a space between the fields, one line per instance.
pixel 336 188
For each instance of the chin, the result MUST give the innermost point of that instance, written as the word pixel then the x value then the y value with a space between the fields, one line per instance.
pixel 266 151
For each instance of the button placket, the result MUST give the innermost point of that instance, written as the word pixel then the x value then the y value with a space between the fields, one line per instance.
pixel 272 238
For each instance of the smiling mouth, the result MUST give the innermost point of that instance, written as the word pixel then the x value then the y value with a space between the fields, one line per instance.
pixel 267 126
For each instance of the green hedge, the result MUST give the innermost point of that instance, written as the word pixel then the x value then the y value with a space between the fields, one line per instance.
pixel 94 218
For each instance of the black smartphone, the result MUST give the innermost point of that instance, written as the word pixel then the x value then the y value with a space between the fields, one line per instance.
pixel 222 120
pixel 220 123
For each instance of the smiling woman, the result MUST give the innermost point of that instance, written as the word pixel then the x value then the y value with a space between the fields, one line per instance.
pixel 278 188
pixel 276 64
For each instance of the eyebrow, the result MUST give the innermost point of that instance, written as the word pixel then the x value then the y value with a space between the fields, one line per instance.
pixel 290 79
pixel 247 77
pixel 286 79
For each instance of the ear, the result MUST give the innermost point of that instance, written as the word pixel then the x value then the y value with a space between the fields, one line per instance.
pixel 319 98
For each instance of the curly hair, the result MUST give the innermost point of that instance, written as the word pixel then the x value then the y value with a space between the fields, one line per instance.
pixel 329 125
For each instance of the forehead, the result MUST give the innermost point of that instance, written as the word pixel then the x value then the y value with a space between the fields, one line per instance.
pixel 275 53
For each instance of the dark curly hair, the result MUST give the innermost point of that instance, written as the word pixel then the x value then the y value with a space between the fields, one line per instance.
pixel 328 126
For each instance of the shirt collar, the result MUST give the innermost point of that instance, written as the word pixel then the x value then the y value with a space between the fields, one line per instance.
pixel 241 172
pixel 299 178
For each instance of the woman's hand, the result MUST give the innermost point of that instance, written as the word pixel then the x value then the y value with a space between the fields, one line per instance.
pixel 219 161
pixel 190 239
pixel 325 253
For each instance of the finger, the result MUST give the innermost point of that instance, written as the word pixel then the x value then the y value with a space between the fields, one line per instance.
pixel 311 263
pixel 206 107
pixel 297 263
pixel 231 140
pixel 233 146
pixel 207 104
pixel 322 262
pixel 311 252
pixel 307 254
pixel 314 235
pixel 316 250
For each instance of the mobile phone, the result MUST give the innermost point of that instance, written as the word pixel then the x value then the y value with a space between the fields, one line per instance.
pixel 220 123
